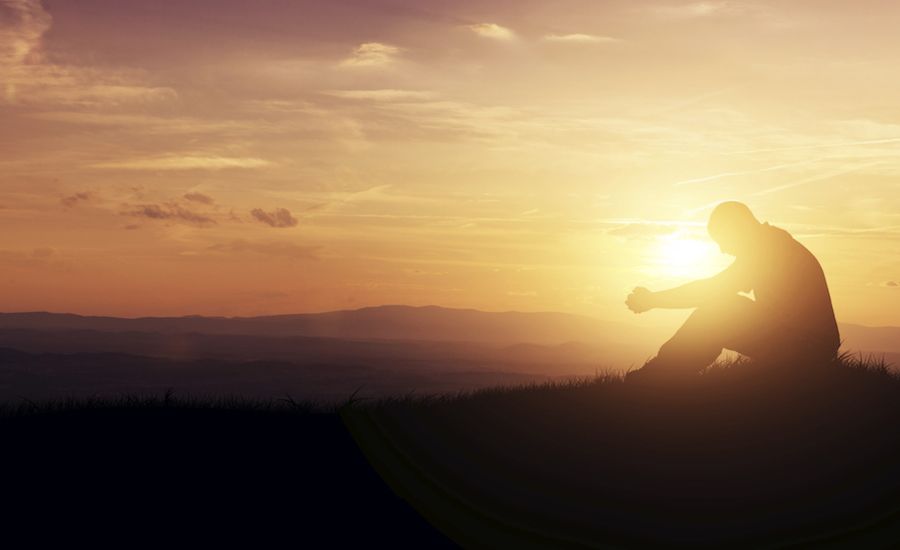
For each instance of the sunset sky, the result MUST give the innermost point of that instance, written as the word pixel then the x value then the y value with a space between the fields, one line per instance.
pixel 226 157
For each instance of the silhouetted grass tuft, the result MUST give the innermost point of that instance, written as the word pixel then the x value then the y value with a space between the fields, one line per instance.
pixel 167 401
pixel 848 366
pixel 866 368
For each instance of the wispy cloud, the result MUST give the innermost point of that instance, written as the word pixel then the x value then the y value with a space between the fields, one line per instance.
pixel 492 30
pixel 640 230
pixel 78 87
pixel 818 146
pixel 714 177
pixel 371 54
pixel 76 198
pixel 817 177
pixel 22 24
pixel 383 94
pixel 144 123
pixel 579 38
pixel 185 162
pixel 522 293
pixel 694 10
pixel 278 249
pixel 37 258
pixel 194 196
pixel 279 218
pixel 170 212
pixel 28 78
pixel 891 232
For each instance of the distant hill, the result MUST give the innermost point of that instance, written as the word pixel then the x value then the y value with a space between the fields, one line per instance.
pixel 404 336
pixel 380 323
pixel 871 338
pixel 397 322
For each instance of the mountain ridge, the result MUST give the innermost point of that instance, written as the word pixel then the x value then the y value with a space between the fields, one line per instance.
pixel 412 323
pixel 381 322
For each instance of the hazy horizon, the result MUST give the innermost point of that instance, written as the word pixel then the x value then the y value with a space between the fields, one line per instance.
pixel 660 324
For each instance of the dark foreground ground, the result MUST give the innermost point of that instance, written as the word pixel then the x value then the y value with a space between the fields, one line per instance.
pixel 747 456
pixel 183 474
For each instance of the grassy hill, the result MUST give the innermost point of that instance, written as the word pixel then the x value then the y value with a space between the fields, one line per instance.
pixel 746 455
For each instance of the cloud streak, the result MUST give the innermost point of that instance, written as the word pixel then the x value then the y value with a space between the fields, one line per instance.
pixel 73 200
pixel 817 177
pixel 37 258
pixel 171 212
pixel 701 10
pixel 22 24
pixel 185 162
pixel 371 54
pixel 641 230
pixel 199 198
pixel 275 249
pixel 492 31
pixel 383 94
pixel 580 38
pixel 883 141
pixel 280 218
pixel 722 175
pixel 28 78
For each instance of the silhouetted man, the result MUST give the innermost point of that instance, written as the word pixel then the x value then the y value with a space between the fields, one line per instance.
pixel 790 319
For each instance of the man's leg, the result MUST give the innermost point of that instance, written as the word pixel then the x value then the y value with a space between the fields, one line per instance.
pixel 701 338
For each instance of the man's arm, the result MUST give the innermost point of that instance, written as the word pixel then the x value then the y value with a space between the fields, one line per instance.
pixel 689 295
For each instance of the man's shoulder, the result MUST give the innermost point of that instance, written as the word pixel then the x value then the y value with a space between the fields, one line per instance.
pixel 778 234
pixel 774 229
pixel 784 245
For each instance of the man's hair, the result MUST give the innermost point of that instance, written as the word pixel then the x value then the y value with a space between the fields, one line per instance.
pixel 729 215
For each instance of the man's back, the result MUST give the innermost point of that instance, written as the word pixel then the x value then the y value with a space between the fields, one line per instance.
pixel 790 289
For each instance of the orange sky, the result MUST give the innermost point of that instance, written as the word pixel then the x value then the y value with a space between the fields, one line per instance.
pixel 237 158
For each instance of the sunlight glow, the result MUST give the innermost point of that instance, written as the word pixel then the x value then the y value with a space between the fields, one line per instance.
pixel 679 256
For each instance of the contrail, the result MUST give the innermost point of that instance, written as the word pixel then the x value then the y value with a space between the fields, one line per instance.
pixel 817 146
pixel 687 102
pixel 745 172
pixel 811 179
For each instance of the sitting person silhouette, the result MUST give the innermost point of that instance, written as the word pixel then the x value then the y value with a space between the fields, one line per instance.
pixel 790 319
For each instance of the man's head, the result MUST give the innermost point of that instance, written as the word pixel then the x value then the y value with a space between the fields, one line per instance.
pixel 734 227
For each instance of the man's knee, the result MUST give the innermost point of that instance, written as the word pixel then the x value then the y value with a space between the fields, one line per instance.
pixel 734 304
pixel 723 312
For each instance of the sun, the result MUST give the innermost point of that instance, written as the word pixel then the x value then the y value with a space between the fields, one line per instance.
pixel 679 256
